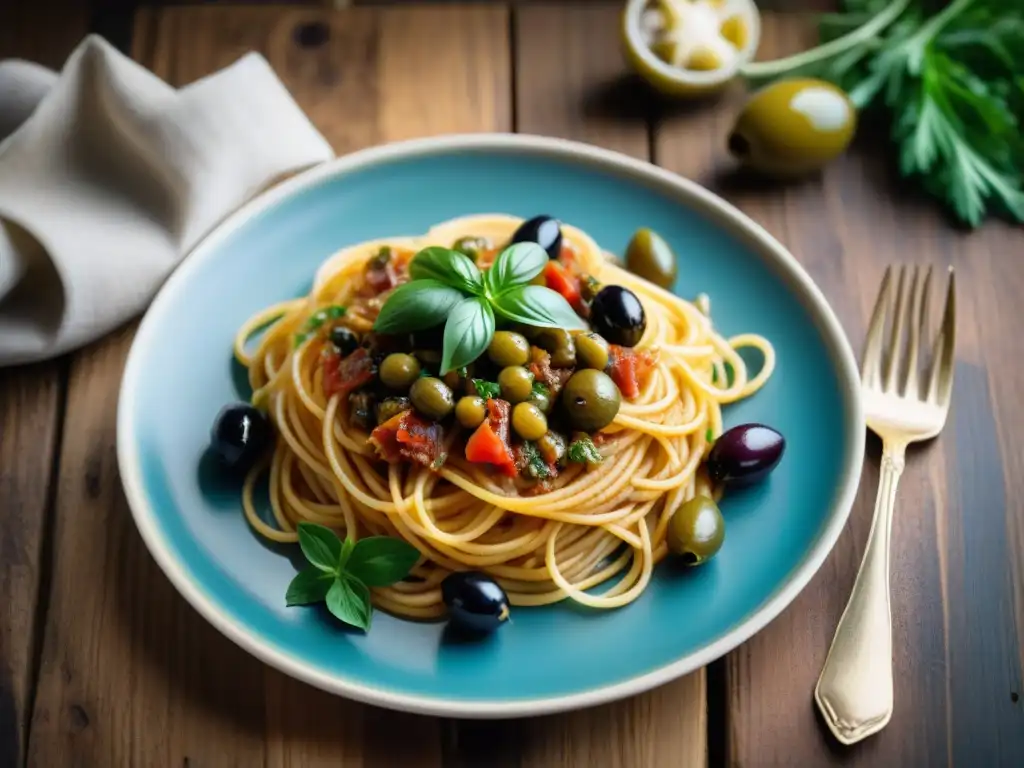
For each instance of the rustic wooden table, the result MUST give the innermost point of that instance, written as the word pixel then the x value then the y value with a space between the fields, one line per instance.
pixel 103 664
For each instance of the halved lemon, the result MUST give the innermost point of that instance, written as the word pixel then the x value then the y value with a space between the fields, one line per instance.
pixel 690 47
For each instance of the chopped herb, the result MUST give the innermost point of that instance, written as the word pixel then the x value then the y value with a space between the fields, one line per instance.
pixel 709 436
pixel 541 389
pixel 316 320
pixel 439 461
pixel 463 372
pixel 583 451
pixel 488 390
pixel 536 467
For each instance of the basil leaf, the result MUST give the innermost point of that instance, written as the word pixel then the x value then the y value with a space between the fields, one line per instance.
pixel 320 546
pixel 347 545
pixel 349 600
pixel 449 267
pixel 415 306
pixel 308 586
pixel 517 264
pixel 380 561
pixel 538 306
pixel 467 333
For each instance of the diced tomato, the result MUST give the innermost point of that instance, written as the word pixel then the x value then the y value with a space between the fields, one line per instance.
pixel 562 281
pixel 489 444
pixel 343 375
pixel 629 368
pixel 567 256
pixel 409 436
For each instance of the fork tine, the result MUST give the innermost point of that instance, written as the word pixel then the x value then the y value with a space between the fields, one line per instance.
pixel 940 378
pixel 871 362
pixel 918 291
pixel 892 359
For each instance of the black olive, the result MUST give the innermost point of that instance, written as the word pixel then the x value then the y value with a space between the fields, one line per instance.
pixel 475 601
pixel 344 340
pixel 543 230
pixel 745 454
pixel 240 435
pixel 618 315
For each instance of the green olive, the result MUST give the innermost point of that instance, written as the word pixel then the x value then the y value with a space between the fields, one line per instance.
pixel 559 343
pixel 391 407
pixel 471 245
pixel 650 257
pixel 696 530
pixel 516 383
pixel 793 127
pixel 508 348
pixel 591 351
pixel 471 411
pixel 399 371
pixel 430 357
pixel 528 422
pixel 456 380
pixel 590 400
pixel 541 398
pixel 432 397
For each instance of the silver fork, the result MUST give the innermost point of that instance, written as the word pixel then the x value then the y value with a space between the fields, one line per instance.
pixel 854 692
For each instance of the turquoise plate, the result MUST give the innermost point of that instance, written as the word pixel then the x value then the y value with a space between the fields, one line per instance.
pixel 180 371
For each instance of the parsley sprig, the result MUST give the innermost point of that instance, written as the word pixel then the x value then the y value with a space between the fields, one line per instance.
pixel 447 287
pixel 342 571
pixel 948 78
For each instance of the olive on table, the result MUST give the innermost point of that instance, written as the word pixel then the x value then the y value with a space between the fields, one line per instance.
pixel 390 407
pixel 591 400
pixel 745 454
pixel 508 348
pixel 475 601
pixel 471 411
pixel 650 257
pixel 516 383
pixel 559 343
pixel 471 246
pixel 543 230
pixel 617 314
pixel 344 340
pixel 528 422
pixel 696 530
pixel 793 127
pixel 541 398
pixel 591 351
pixel 399 371
pixel 432 397
pixel 239 436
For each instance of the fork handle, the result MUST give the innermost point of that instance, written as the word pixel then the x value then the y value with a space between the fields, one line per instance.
pixel 854 692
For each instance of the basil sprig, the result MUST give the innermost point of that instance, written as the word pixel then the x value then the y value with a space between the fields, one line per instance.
pixel 448 287
pixel 341 572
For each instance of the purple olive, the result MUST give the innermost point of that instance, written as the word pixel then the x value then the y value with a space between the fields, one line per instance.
pixel 745 454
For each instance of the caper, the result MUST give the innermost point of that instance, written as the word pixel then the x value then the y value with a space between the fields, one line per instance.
pixel 391 407
pixel 591 351
pixel 528 422
pixel 650 257
pixel 399 370
pixel 591 400
pixel 696 530
pixel 516 383
pixel 559 343
pixel 432 397
pixel 471 246
pixel 540 397
pixel 508 348
pixel 471 411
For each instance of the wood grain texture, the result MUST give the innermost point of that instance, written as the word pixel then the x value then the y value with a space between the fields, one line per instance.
pixel 957 527
pixel 131 675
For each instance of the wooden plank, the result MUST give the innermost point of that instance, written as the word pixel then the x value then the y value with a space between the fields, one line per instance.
pixel 131 675
pixel 845 227
pixel 30 402
pixel 571 82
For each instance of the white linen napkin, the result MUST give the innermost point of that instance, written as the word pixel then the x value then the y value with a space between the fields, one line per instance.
pixel 109 176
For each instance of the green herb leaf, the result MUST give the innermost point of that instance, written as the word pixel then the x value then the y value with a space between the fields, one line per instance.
pixel 347 545
pixel 349 600
pixel 540 388
pixel 536 467
pixel 321 546
pixel 488 390
pixel 449 267
pixel 316 320
pixel 415 306
pixel 583 451
pixel 379 561
pixel 467 333
pixel 709 436
pixel 516 265
pixel 538 306
pixel 308 586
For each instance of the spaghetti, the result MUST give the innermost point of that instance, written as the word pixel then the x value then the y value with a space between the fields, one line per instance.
pixel 587 527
